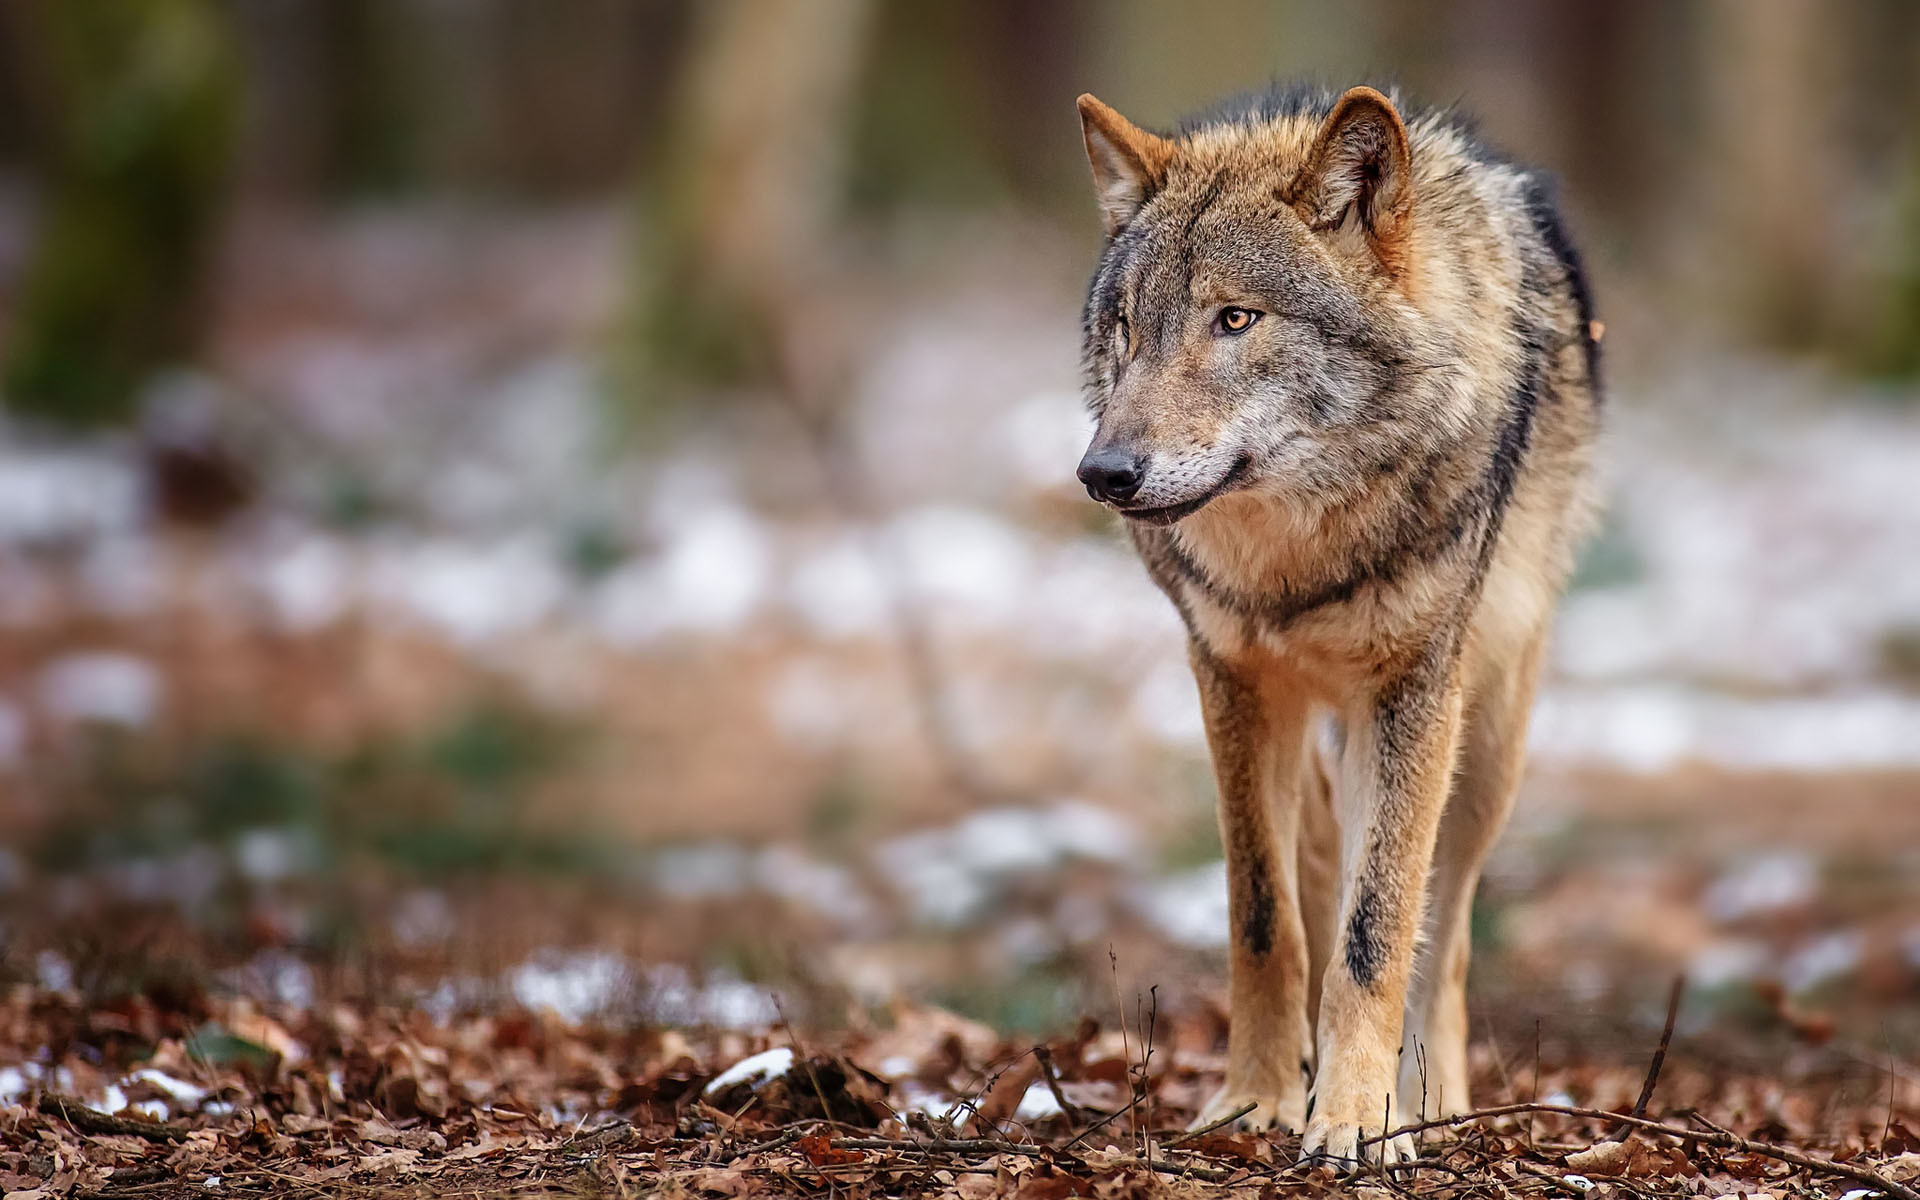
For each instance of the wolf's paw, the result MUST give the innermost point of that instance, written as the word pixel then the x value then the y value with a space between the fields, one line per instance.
pixel 1271 1109
pixel 1338 1144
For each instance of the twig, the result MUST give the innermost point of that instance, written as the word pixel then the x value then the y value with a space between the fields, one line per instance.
pixel 1045 1058
pixel 1499 1060
pixel 1103 1122
pixel 1721 1139
pixel 1206 1129
pixel 806 1059
pixel 1535 1098
pixel 1660 1054
pixel 1126 1051
pixel 1146 1062
pixel 92 1120
pixel 774 1143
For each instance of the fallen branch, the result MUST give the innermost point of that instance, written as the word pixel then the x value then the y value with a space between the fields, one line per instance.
pixel 92 1120
pixel 1722 1139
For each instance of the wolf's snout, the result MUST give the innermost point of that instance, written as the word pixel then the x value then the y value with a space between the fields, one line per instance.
pixel 1112 475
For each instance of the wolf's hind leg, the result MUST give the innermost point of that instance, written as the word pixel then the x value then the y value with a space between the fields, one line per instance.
pixel 1256 737
pixel 1433 1056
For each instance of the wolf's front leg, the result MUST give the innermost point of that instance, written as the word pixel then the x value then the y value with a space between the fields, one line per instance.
pixel 1396 769
pixel 1256 739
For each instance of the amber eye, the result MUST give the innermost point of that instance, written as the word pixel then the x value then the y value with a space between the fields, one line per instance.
pixel 1235 320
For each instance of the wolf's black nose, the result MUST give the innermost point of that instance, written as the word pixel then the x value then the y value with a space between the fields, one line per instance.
pixel 1112 474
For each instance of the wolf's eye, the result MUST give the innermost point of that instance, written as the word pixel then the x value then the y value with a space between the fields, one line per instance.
pixel 1123 336
pixel 1234 320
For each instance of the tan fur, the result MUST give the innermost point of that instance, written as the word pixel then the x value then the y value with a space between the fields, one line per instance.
pixel 1365 545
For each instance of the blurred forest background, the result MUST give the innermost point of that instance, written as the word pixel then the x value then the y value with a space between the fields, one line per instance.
pixel 568 504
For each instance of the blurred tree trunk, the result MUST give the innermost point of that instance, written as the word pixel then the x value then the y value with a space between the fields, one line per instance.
pixel 734 224
pixel 135 113
pixel 1770 168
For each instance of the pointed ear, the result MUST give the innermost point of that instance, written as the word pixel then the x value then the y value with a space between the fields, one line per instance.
pixel 1361 163
pixel 1129 164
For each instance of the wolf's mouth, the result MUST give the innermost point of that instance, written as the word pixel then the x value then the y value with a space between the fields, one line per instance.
pixel 1168 514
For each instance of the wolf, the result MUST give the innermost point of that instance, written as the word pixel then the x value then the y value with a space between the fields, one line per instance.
pixel 1343 363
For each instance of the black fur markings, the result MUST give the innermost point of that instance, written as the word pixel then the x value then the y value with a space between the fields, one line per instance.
pixel 1545 216
pixel 1515 436
pixel 1256 923
pixel 1366 954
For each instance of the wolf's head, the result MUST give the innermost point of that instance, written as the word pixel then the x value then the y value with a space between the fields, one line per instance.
pixel 1249 320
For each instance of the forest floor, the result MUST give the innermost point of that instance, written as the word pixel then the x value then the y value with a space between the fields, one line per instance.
pixel 352 1098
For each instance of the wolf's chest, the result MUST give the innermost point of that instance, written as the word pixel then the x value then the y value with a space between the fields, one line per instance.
pixel 1267 589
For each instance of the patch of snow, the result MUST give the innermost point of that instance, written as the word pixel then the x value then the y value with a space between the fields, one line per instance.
pixel 1189 908
pixel 52 971
pixel 279 978
pixel 1828 957
pixel 1026 941
pixel 113 1099
pixel 1083 830
pixel 949 874
pixel 1765 884
pixel 307 581
pixel 1091 601
pixel 896 1066
pixel 806 882
pixel 970 566
pixel 1167 703
pixel 573 986
pixel 736 1004
pixel 103 686
pixel 50 494
pixel 270 855
pixel 1728 961
pixel 916 1097
pixel 1037 1103
pixel 710 579
pixel 179 1092
pixel 469 593
pixel 670 997
pixel 758 1068
pixel 17 1081
pixel 838 590
pixel 1043 438
pixel 1656 727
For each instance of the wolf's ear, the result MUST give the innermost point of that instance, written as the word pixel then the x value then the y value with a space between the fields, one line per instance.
pixel 1360 163
pixel 1129 164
